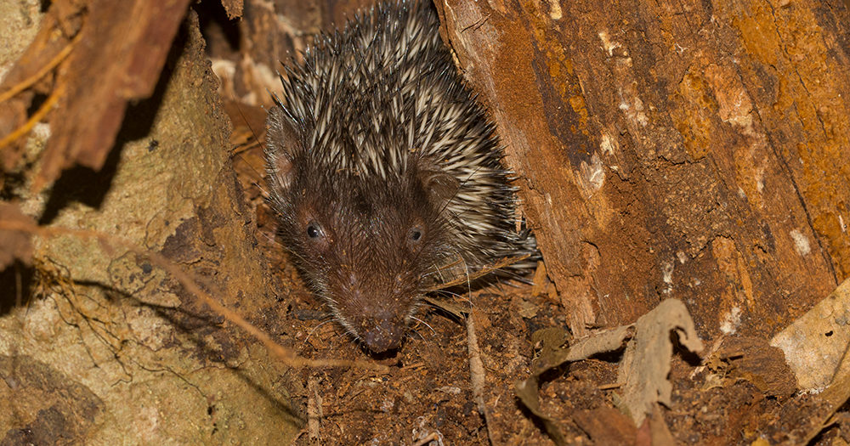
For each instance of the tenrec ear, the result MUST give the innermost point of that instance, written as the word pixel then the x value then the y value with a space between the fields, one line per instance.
pixel 440 187
pixel 283 141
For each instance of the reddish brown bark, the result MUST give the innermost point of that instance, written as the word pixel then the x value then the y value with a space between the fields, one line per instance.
pixel 677 149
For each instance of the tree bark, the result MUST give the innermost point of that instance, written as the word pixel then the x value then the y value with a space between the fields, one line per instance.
pixel 696 150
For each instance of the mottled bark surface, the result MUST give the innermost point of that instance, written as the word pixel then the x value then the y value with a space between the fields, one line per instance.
pixel 696 150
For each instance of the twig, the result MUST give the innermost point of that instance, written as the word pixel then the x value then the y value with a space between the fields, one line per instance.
pixel 314 410
pixel 28 82
pixel 35 118
pixel 288 356
pixel 506 261
pixel 429 438
pixel 477 374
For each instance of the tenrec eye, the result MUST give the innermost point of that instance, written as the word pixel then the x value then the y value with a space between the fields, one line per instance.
pixel 313 231
pixel 415 234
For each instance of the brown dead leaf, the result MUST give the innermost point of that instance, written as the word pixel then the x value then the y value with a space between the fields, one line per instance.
pixel 646 361
pixel 606 425
pixel 659 432
pixel 552 355
pixel 815 343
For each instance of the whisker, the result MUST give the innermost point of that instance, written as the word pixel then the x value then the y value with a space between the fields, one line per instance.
pixel 316 328
pixel 411 330
pixel 424 323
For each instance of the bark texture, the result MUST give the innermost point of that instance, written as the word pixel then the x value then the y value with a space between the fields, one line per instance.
pixel 694 149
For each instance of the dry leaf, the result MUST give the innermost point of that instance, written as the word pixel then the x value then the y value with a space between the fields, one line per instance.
pixel 815 343
pixel 646 361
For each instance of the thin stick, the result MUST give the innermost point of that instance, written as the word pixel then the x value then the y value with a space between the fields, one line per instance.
pixel 433 436
pixel 477 375
pixel 507 261
pixel 314 409
pixel 288 356
pixel 34 119
pixel 28 82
